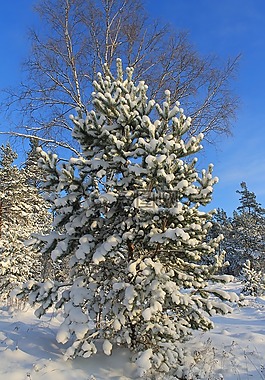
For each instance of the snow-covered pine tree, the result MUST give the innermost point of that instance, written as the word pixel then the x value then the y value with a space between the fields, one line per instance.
pixel 248 201
pixel 253 281
pixel 246 238
pixel 22 211
pixel 33 172
pixel 220 226
pixel 129 220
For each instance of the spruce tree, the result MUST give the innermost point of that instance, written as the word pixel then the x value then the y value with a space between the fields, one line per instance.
pixel 249 227
pixel 129 221
pixel 23 211
pixel 221 225
pixel 248 201
pixel 33 172
pixel 244 234
pixel 253 281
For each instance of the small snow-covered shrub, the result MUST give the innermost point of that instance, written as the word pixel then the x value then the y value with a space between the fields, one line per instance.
pixel 254 281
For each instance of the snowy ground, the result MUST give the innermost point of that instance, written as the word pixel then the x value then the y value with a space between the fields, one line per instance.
pixel 234 349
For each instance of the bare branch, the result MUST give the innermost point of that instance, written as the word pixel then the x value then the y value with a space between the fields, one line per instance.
pixel 46 141
pixel 80 36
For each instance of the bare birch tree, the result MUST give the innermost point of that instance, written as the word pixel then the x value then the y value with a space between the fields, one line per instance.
pixel 77 37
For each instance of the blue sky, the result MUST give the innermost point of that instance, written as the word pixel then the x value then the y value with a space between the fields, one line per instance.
pixel 228 28
pixel 225 28
pixel 16 17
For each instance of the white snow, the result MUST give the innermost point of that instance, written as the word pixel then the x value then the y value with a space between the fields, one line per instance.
pixel 234 349
pixel 144 362
pixel 107 347
pixel 63 335
pixel 170 233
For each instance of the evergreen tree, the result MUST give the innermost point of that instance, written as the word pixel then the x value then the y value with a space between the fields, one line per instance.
pixel 249 227
pixel 128 219
pixel 221 226
pixel 244 234
pixel 254 281
pixel 22 212
pixel 248 202
pixel 34 173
